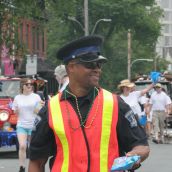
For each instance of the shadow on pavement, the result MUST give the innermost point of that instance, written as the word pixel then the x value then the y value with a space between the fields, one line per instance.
pixel 8 152
pixel 9 155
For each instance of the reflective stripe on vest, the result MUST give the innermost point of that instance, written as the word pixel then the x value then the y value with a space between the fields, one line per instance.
pixel 57 124
pixel 57 120
pixel 106 125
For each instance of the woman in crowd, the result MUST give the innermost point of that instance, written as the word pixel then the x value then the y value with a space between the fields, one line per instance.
pixel 24 106
pixel 132 97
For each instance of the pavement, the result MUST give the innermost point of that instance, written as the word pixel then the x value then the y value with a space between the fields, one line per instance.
pixel 9 160
pixel 159 159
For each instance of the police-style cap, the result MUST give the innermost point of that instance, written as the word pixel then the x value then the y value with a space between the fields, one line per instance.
pixel 86 49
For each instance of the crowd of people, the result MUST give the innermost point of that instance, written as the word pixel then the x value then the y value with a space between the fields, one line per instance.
pixel 85 127
pixel 156 107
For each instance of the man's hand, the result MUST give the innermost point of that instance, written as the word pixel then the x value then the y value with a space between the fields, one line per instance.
pixel 142 151
pixel 137 164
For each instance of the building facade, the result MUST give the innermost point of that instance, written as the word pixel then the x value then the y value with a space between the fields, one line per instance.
pixel 32 35
pixel 164 45
pixel 30 39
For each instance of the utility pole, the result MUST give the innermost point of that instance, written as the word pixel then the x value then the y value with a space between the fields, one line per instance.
pixel 155 64
pixel 86 21
pixel 129 54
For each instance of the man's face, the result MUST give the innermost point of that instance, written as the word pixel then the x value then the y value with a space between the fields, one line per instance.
pixel 86 74
pixel 158 89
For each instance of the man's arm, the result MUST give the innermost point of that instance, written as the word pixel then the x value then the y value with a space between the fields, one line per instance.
pixel 148 88
pixel 134 140
pixel 141 150
pixel 37 165
pixel 168 109
pixel 168 105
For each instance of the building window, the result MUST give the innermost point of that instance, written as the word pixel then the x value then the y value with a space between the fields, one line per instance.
pixel 43 45
pixel 166 16
pixel 165 3
pixel 37 38
pixel 170 41
pixel 166 41
pixel 166 28
pixel 21 33
pixel 27 35
pixel 33 38
pixel 170 29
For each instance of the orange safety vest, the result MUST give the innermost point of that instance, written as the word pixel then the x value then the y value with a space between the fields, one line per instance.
pixel 72 153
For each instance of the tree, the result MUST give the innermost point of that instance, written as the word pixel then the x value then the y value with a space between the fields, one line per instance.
pixel 141 17
pixel 11 13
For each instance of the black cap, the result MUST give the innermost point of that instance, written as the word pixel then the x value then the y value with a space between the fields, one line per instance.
pixel 86 49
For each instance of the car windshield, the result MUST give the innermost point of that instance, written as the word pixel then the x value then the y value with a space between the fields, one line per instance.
pixel 9 88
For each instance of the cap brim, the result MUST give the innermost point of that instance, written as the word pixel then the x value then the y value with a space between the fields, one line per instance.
pixel 98 59
pixel 158 87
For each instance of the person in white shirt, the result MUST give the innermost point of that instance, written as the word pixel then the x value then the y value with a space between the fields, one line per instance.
pixel 160 105
pixel 131 97
pixel 24 106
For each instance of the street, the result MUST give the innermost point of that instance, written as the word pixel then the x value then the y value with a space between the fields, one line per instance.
pixel 158 161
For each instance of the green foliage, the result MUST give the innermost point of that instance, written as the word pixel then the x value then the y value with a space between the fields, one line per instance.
pixel 116 52
pixel 11 12
pixel 141 17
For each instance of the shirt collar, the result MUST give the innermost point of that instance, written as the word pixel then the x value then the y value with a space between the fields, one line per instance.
pixel 92 94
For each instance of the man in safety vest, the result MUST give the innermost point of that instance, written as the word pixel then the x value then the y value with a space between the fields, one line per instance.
pixel 85 127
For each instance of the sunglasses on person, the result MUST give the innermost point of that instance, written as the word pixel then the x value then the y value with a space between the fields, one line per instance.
pixel 91 65
pixel 28 84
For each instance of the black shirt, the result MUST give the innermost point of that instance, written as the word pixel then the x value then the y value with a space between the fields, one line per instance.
pixel 129 132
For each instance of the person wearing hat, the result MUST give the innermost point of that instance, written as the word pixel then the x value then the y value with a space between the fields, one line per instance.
pixel 160 104
pixel 132 97
pixel 85 127
pixel 61 77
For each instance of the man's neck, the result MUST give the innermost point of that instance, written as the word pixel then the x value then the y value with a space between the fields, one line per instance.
pixel 78 91
pixel 125 94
